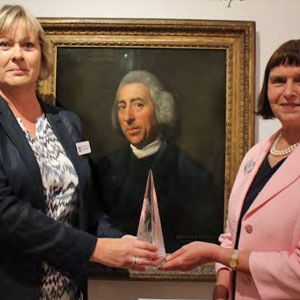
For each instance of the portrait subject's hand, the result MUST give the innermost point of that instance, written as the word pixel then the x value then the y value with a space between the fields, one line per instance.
pixel 189 256
pixel 127 253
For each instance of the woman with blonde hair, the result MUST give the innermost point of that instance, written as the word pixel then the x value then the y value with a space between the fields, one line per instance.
pixel 44 180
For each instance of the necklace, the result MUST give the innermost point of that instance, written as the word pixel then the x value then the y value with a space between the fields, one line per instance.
pixel 282 152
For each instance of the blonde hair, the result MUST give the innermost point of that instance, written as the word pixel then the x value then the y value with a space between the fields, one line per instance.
pixel 12 14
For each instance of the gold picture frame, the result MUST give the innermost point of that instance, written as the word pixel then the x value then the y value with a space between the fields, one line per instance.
pixel 100 39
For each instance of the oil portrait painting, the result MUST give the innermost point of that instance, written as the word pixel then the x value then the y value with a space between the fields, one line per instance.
pixel 172 96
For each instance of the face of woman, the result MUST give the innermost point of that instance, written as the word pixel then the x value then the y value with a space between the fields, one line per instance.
pixel 20 58
pixel 284 94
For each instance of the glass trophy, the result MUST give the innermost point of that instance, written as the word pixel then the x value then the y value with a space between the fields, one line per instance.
pixel 150 226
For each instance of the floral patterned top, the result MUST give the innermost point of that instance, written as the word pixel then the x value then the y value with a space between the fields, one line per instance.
pixel 60 183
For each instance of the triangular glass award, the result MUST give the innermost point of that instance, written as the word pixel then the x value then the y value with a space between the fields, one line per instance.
pixel 150 226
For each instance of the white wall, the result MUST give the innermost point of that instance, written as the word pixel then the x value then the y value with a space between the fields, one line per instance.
pixel 276 22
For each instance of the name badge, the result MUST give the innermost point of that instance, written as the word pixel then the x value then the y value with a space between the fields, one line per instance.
pixel 249 166
pixel 83 148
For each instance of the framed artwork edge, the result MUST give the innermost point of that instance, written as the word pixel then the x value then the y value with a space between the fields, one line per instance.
pixel 236 37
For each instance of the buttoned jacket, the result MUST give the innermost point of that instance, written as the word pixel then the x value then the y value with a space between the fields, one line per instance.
pixel 270 229
pixel 27 236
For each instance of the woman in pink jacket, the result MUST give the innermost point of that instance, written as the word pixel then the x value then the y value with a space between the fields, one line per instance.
pixel 259 255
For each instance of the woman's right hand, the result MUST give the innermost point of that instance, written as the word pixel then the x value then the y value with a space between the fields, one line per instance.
pixel 125 253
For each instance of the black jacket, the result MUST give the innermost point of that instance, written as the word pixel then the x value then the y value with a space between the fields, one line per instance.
pixel 27 236
pixel 183 188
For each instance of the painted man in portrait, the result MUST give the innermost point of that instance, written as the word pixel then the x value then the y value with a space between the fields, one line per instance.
pixel 144 113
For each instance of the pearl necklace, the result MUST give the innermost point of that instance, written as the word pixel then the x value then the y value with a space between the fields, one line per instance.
pixel 282 152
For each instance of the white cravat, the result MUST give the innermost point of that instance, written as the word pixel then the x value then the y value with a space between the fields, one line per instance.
pixel 148 150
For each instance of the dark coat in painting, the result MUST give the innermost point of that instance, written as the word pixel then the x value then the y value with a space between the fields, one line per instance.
pixel 183 191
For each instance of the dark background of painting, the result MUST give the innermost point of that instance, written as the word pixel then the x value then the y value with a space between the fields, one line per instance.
pixel 87 79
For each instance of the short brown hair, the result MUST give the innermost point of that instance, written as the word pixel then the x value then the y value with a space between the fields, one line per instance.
pixel 287 54
pixel 10 15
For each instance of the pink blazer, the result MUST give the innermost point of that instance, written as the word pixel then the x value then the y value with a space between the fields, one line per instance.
pixel 270 228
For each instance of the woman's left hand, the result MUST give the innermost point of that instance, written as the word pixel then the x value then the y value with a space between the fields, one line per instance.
pixel 190 256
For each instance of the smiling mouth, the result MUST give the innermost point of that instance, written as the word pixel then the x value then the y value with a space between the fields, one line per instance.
pixel 18 70
pixel 290 105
